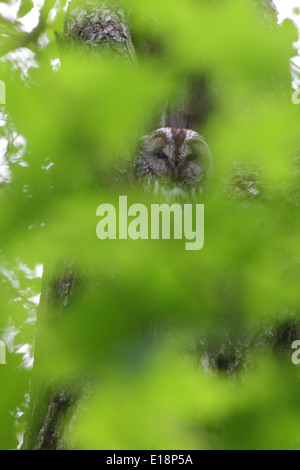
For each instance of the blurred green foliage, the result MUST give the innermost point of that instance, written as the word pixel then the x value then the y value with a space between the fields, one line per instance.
pixel 137 321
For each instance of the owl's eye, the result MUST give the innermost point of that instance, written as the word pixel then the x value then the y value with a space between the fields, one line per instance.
pixel 192 156
pixel 162 156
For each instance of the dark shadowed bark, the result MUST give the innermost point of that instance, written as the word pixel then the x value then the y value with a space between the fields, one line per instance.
pixel 50 403
pixel 98 28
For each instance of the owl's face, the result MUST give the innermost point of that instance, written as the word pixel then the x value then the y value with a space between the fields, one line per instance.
pixel 178 157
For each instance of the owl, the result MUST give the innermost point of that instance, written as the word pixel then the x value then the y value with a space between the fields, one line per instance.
pixel 177 159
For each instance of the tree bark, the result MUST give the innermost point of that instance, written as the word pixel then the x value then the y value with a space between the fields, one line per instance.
pixel 50 403
pixel 95 28
pixel 92 29
pixel 98 28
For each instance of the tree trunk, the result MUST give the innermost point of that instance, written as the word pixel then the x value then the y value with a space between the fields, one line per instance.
pixel 94 29
pixel 91 29
pixel 98 28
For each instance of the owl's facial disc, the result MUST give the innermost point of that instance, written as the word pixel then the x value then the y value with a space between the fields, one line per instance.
pixel 178 157
pixel 176 163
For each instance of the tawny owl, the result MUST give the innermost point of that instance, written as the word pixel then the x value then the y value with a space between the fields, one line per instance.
pixel 177 158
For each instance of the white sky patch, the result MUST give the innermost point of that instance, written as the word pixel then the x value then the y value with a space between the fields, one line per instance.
pixel 291 9
pixel 55 64
pixel 286 9
pixel 31 20
pixel 2 119
pixel 11 276
pixel 28 359
pixel 30 303
pixel 36 299
pixel 11 273
pixel 9 337
pixel 23 59
pixel 31 273
pixel 10 10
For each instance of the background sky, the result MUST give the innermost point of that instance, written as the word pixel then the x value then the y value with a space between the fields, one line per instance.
pixel 286 9
pixel 291 9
